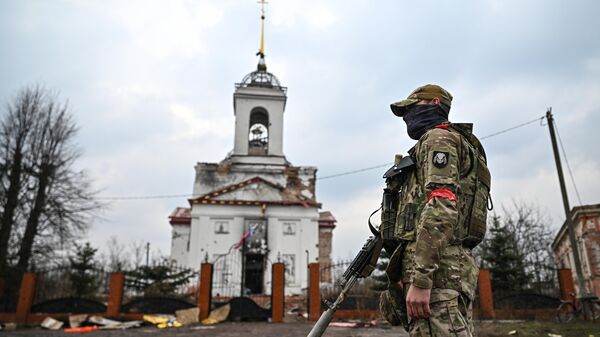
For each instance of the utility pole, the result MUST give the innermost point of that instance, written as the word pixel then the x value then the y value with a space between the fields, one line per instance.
pixel 570 229
pixel 147 253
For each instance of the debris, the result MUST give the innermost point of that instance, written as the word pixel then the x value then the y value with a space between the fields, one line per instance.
pixel 157 319
pixel 172 323
pixel 75 321
pixel 513 332
pixel 553 335
pixel 9 327
pixel 188 316
pixel 83 329
pixel 99 320
pixel 344 324
pixel 51 324
pixel 123 325
pixel 163 321
pixel 218 315
pixel 296 311
pixel 209 321
pixel 202 327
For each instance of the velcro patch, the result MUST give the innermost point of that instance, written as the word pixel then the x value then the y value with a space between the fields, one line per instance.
pixel 440 159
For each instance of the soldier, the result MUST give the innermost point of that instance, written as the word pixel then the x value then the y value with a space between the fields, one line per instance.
pixel 436 216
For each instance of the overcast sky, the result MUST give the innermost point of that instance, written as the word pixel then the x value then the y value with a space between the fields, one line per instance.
pixel 151 85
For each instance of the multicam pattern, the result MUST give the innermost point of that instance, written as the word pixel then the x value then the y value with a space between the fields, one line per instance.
pixel 450 316
pixel 435 252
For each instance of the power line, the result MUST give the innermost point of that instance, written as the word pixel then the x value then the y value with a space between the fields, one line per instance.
pixel 568 166
pixel 512 128
pixel 355 171
pixel 148 197
pixel 387 164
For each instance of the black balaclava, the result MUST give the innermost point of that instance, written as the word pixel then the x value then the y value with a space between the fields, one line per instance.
pixel 419 118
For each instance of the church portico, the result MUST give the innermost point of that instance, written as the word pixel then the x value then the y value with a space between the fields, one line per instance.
pixel 281 233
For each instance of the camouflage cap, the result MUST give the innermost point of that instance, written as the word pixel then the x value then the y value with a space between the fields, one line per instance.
pixel 426 92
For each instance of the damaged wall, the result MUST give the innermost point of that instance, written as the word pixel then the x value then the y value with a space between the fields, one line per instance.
pixel 298 181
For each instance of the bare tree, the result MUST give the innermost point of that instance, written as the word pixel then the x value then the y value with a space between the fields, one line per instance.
pixel 15 132
pixel 534 239
pixel 54 201
pixel 138 253
pixel 117 257
pixel 520 234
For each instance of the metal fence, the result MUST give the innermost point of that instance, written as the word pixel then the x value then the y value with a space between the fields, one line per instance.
pixel 361 297
pixel 544 295
pixel 228 278
pixel 64 282
pixel 162 280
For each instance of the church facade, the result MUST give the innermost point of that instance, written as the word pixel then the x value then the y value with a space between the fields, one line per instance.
pixel 253 208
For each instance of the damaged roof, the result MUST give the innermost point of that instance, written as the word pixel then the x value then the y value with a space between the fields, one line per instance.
pixel 181 216
pixel 254 191
pixel 326 219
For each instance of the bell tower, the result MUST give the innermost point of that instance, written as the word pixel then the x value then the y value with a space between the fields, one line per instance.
pixel 258 104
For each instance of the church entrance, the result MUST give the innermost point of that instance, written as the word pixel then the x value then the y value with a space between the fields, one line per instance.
pixel 254 274
pixel 254 253
pixel 241 275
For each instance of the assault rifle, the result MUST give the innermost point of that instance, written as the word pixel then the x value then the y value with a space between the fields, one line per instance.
pixel 362 266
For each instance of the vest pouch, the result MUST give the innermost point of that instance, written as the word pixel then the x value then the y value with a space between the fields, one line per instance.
pixel 389 209
pixel 406 222
pixel 392 305
pixel 478 217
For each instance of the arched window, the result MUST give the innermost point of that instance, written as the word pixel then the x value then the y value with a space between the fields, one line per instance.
pixel 258 138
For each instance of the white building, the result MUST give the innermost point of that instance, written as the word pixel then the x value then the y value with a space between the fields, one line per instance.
pixel 255 193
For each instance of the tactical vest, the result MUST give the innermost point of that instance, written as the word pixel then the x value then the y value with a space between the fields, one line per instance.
pixel 404 198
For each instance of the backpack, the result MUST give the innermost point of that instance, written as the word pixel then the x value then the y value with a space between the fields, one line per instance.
pixel 474 195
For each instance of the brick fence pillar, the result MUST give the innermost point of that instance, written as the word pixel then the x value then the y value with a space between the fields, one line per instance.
pixel 26 295
pixel 486 298
pixel 115 294
pixel 565 281
pixel 277 292
pixel 205 289
pixel 314 292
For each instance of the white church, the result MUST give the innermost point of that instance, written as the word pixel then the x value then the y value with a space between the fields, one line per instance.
pixel 254 207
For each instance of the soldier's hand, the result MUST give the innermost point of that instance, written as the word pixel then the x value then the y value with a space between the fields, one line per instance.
pixel 417 302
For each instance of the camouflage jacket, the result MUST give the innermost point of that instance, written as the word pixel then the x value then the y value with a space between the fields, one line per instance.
pixel 431 210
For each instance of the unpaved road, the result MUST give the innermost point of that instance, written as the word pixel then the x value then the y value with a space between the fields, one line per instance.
pixel 228 329
pixel 301 329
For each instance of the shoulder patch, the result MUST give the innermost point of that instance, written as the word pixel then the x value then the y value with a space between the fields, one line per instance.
pixel 440 159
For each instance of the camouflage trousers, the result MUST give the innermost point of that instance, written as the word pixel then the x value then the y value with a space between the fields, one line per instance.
pixel 451 315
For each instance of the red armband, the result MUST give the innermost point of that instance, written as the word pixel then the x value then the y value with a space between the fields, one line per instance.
pixel 442 193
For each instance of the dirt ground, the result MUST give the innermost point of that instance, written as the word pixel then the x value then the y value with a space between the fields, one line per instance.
pixel 301 329
pixel 229 329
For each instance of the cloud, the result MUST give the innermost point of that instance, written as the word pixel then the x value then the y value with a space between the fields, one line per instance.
pixel 151 84
pixel 352 213
pixel 190 124
pixel 299 14
pixel 159 29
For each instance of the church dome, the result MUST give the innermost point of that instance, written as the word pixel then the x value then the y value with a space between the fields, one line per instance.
pixel 261 78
